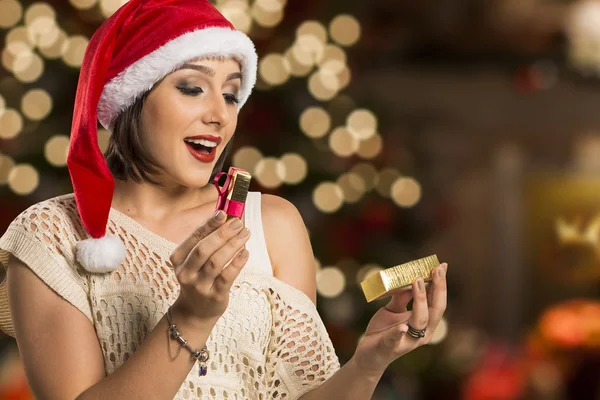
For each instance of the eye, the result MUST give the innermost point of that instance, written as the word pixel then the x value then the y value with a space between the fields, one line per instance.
pixel 190 90
pixel 230 98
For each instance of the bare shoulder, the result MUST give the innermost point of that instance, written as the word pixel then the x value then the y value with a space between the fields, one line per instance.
pixel 288 244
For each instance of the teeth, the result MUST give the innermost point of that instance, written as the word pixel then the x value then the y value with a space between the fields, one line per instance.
pixel 203 142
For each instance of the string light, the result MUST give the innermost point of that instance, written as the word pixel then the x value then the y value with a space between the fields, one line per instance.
pixel 55 48
pixel 23 179
pixel 237 12
pixel 296 68
pixel 342 143
pixel 28 67
pixel 274 69
pixel 362 124
pixel 36 104
pixel 406 192
pixel 43 31
pixel 315 122
pixel 266 15
pixel 6 165
pixel 345 30
pixel 323 86
pixel 294 168
pixel 38 10
pixel 314 28
pixel 11 12
pixel 328 197
pixel 56 150
pixel 371 147
pixel 330 282
pixel 247 158
pixel 11 124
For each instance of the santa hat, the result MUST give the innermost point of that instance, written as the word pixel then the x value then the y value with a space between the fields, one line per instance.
pixel 136 47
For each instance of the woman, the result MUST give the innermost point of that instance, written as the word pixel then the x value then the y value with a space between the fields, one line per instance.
pixel 132 287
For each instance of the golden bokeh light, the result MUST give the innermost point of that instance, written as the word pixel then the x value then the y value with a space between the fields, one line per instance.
pixel 315 122
pixel 328 197
pixel 17 41
pixel 8 59
pixel 353 186
pixel 23 179
pixel 322 86
pixel 385 179
pixel 266 15
pixel 362 124
pixel 56 150
pixel 342 143
pixel 11 12
pixel 28 67
pixel 270 5
pixel 368 173
pixel 406 192
pixel 43 31
pixel 366 271
pixel 331 282
pixel 268 172
pixel 237 12
pixel 103 139
pixel 247 158
pixel 11 124
pixel 108 7
pixel 294 168
pixel 83 4
pixel 344 77
pixel 75 50
pixel 36 104
pixel 332 52
pixel 370 148
pixel 345 30
pixel 37 10
pixel 308 50
pixel 56 48
pixel 297 69
pixel 2 105
pixel 6 165
pixel 440 332
pixel 274 69
pixel 314 28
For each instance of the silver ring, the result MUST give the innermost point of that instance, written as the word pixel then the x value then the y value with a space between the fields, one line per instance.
pixel 416 333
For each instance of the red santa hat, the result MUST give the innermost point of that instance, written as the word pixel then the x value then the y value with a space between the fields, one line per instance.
pixel 136 47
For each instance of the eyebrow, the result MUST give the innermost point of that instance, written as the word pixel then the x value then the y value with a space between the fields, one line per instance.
pixel 211 72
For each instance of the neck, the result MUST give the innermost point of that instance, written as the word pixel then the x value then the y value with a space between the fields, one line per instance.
pixel 147 201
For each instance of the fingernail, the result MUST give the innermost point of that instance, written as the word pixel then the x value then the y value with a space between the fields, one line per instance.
pixel 421 284
pixel 243 254
pixel 442 272
pixel 219 216
pixel 235 225
pixel 245 232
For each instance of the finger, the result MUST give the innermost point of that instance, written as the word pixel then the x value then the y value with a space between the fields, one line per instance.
pixel 420 310
pixel 219 259
pixel 223 282
pixel 437 306
pixel 183 250
pixel 399 302
pixel 201 253
pixel 391 338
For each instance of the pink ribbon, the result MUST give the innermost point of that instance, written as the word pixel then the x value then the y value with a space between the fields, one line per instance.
pixel 222 192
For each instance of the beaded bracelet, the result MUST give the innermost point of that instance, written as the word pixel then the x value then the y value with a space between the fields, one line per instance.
pixel 201 356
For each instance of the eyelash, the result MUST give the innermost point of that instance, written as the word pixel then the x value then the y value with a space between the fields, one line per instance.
pixel 194 91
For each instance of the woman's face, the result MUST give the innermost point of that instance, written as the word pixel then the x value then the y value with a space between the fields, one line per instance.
pixel 188 119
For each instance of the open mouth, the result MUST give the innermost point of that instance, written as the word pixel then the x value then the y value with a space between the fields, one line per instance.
pixel 201 146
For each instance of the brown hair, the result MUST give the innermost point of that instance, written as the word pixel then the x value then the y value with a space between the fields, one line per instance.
pixel 125 155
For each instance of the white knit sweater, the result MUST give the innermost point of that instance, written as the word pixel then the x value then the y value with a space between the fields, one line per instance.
pixel 270 342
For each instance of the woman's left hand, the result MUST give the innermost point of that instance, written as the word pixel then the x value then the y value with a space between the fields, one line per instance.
pixel 386 336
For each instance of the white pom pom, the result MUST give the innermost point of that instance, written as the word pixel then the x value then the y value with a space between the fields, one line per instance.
pixel 101 255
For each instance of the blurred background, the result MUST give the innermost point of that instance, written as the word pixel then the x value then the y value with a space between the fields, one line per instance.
pixel 469 129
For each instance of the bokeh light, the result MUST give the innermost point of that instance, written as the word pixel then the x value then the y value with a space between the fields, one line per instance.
pixel 345 30
pixel 75 50
pixel 23 179
pixel 274 69
pixel 11 124
pixel 28 67
pixel 371 147
pixel 385 179
pixel 323 85
pixel 238 13
pixel 38 10
pixel 267 13
pixel 406 192
pixel 36 104
pixel 247 158
pixel 6 165
pixel 330 282
pixel 11 13
pixel 314 28
pixel 268 172
pixel 362 124
pixel 366 271
pixel 315 122
pixel 328 197
pixel 342 142
pixel 368 173
pixel 296 68
pixel 55 48
pixel 83 4
pixel 294 169
pixel 56 150
pixel 108 7
pixel 352 185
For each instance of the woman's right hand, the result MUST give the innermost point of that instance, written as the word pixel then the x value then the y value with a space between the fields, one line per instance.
pixel 199 263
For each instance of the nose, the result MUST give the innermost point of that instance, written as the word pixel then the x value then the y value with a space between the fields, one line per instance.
pixel 215 111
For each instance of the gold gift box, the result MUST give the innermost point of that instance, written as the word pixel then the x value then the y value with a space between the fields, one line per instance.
pixel 399 278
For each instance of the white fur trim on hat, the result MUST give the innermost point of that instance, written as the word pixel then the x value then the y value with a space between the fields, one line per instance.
pixel 101 255
pixel 138 78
